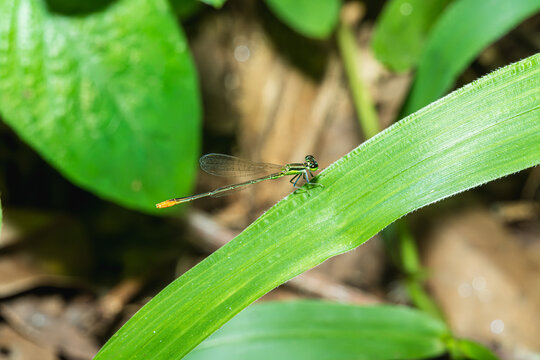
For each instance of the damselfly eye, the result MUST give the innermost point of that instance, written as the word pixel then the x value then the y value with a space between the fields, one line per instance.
pixel 311 162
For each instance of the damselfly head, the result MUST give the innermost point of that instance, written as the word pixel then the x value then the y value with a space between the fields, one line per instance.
pixel 311 163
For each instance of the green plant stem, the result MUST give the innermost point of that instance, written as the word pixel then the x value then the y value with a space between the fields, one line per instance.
pixel 367 116
pixel 409 261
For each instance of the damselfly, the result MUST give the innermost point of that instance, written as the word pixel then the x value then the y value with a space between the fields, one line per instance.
pixel 226 165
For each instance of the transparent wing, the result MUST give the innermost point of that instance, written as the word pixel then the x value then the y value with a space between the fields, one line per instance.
pixel 226 165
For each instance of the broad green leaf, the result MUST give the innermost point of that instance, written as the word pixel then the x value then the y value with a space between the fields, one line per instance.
pixel 186 8
pixel 465 29
pixel 73 7
pixel 314 19
pixel 109 99
pixel 324 331
pixel 402 29
pixel 488 129
pixel 214 3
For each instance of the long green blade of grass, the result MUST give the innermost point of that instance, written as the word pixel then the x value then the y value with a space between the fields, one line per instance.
pixel 465 29
pixel 481 132
pixel 325 331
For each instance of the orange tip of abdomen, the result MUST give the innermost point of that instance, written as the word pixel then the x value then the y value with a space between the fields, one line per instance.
pixel 166 204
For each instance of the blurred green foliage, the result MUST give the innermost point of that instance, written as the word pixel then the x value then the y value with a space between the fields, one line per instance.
pixel 214 3
pixel 461 33
pixel 402 29
pixel 472 350
pixel 186 8
pixel 314 19
pixel 109 99
pixel 70 7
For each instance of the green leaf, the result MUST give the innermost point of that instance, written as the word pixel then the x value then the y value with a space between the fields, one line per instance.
pixel 475 351
pixel 320 330
pixel 488 129
pixel 110 99
pixel 402 29
pixel 72 7
pixel 185 9
pixel 314 19
pixel 215 3
pixel 465 29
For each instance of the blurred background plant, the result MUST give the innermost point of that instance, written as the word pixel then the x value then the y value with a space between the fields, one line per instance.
pixel 106 107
